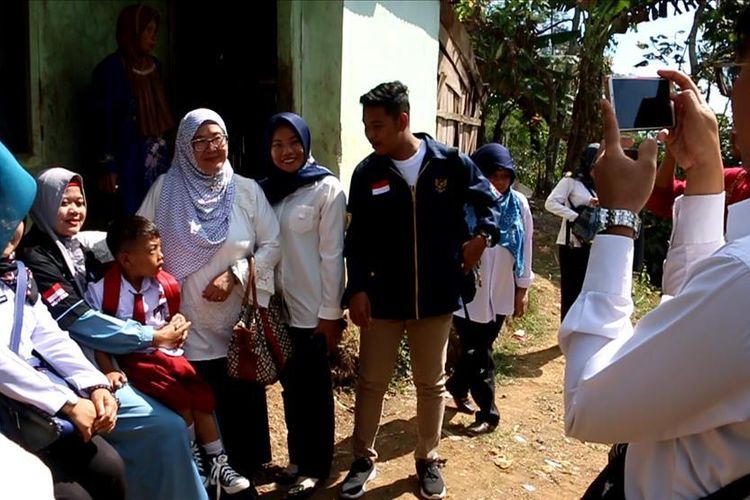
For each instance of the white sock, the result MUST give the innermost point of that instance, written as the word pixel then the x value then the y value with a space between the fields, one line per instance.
pixel 191 432
pixel 213 448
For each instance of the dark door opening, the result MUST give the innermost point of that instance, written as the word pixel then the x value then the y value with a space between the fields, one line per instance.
pixel 224 57
pixel 15 100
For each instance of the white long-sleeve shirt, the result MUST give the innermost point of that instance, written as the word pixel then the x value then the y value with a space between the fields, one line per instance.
pixel 677 387
pixel 19 379
pixel 311 271
pixel 496 295
pixel 568 193
pixel 253 229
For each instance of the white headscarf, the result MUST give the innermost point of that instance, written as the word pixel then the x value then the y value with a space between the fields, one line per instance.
pixel 51 184
pixel 194 208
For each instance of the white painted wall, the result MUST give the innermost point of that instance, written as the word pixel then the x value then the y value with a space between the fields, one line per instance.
pixel 385 41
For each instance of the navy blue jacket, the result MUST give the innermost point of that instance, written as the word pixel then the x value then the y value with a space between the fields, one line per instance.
pixel 403 245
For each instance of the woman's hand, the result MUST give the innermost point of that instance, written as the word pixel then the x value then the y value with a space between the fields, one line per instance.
pixel 521 301
pixel 220 287
pixel 83 415
pixel 472 252
pixel 105 405
pixel 331 329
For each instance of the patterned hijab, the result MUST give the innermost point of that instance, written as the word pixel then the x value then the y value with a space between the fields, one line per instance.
pixel 194 208
pixel 491 158
pixel 51 184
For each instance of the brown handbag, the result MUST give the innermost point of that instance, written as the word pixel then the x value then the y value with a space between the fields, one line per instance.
pixel 261 344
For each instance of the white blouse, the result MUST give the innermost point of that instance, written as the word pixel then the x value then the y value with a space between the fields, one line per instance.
pixel 568 193
pixel 496 295
pixel 311 271
pixel 253 229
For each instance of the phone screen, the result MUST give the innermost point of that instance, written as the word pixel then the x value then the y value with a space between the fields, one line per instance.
pixel 642 103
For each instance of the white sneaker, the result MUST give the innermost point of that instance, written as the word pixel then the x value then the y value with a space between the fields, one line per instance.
pixel 225 478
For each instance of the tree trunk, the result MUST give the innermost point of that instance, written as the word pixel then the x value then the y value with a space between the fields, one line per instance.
pixel 586 118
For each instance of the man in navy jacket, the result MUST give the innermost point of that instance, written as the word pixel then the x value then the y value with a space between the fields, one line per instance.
pixel 408 250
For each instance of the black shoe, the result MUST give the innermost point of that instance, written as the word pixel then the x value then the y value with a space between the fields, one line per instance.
pixel 464 405
pixel 362 472
pixel 431 485
pixel 304 487
pixel 481 428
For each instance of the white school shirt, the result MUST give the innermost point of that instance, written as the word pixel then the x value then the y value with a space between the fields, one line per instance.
pixel 19 379
pixel 409 168
pixel 154 304
pixel 253 229
pixel 677 386
pixel 496 295
pixel 568 191
pixel 311 271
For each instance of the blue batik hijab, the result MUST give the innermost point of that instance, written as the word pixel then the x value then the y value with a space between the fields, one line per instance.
pixel 491 158
pixel 279 184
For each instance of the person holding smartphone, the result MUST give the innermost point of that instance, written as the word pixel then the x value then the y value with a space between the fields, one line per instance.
pixel 674 386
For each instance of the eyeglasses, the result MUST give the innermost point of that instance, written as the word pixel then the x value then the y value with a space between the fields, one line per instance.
pixel 726 72
pixel 200 145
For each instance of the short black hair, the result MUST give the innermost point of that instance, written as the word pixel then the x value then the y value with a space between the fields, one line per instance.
pixel 125 231
pixel 742 32
pixel 392 96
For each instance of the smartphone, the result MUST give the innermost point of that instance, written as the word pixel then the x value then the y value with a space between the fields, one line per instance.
pixel 641 103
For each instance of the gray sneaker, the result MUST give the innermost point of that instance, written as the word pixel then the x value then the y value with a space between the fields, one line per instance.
pixel 362 472
pixel 431 485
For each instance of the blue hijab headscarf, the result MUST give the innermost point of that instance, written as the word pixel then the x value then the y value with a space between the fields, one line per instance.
pixel 279 184
pixel 17 192
pixel 490 158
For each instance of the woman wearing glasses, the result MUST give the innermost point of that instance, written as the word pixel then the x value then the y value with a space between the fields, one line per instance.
pixel 210 220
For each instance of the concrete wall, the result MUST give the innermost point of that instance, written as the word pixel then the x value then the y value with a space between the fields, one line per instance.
pixel 310 44
pixel 385 41
pixel 67 40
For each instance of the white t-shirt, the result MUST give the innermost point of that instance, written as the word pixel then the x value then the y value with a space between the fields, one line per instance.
pixel 409 168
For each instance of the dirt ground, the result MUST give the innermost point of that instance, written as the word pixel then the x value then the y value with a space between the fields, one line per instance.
pixel 527 457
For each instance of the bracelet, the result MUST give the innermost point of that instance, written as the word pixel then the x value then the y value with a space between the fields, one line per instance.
pixel 91 389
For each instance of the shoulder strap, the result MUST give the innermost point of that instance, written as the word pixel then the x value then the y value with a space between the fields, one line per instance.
pixel 171 291
pixel 15 336
pixel 111 298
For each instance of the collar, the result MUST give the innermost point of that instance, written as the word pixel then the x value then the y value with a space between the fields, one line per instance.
pixel 146 284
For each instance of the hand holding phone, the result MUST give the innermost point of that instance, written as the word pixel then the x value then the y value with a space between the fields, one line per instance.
pixel 642 103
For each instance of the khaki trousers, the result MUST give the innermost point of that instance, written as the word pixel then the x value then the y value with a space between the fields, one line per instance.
pixel 428 343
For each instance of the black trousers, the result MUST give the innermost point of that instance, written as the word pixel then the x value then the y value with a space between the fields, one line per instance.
pixel 475 370
pixel 573 262
pixel 308 404
pixel 243 416
pixel 85 471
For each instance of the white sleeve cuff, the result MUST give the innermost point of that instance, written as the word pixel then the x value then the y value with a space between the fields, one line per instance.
pixel 610 268
pixel 705 214
pixel 332 313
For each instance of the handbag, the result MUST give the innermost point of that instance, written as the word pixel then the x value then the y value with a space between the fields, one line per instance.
pixel 261 344
pixel 23 423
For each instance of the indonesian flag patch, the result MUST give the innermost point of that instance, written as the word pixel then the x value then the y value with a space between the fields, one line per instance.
pixel 380 187
pixel 55 294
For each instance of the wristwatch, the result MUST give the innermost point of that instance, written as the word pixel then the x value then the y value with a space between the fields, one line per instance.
pixel 593 220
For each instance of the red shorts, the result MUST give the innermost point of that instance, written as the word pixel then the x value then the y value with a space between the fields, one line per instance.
pixel 170 379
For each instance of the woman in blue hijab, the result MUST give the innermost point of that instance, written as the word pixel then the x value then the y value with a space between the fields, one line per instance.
pixel 311 207
pixel 506 275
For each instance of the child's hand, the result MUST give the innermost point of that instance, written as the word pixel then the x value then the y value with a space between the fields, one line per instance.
pixel 177 319
pixel 117 379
